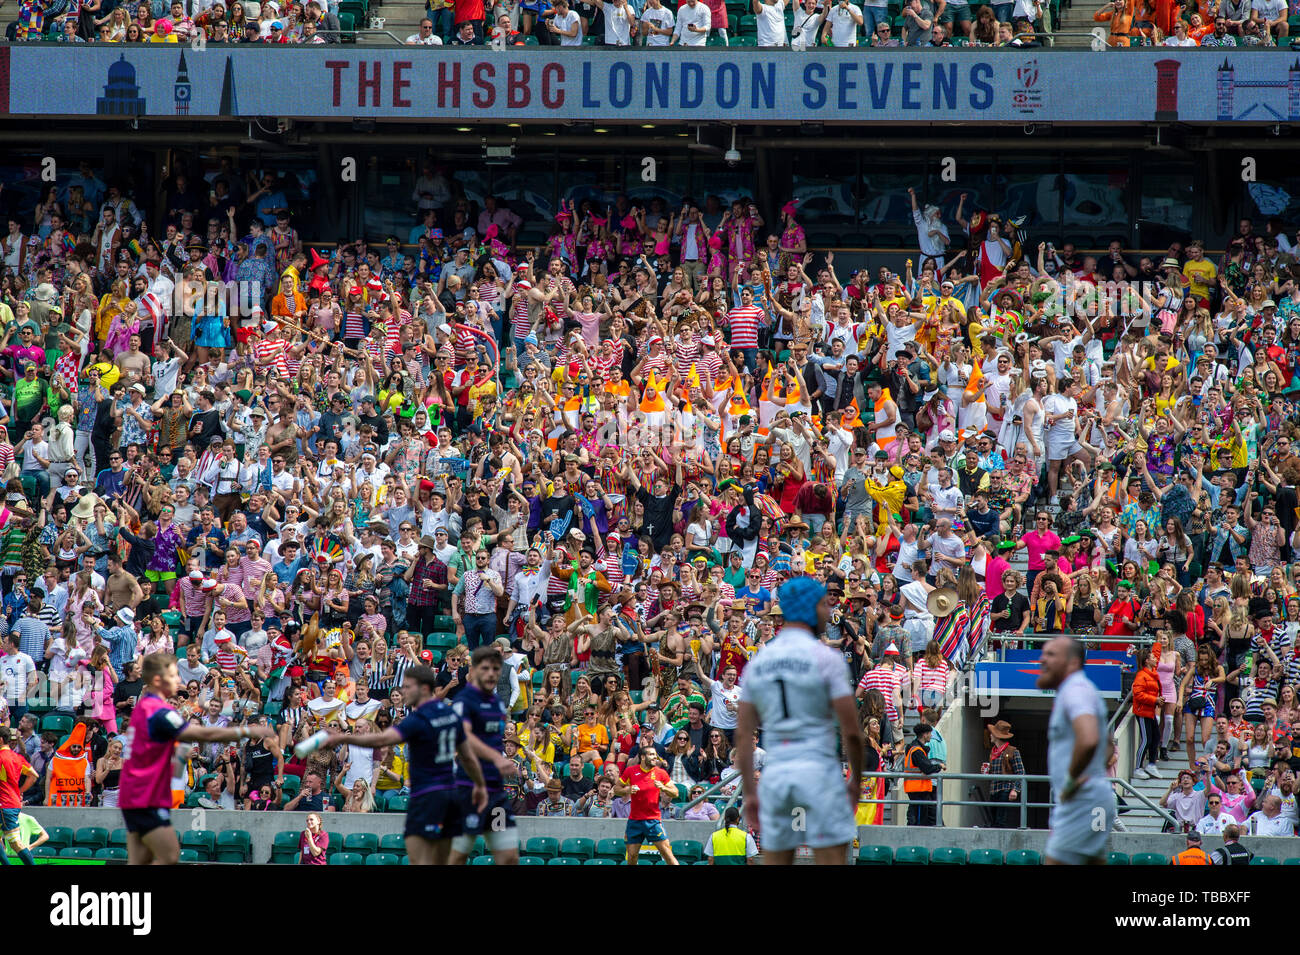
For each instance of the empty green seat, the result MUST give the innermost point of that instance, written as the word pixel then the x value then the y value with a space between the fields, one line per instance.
pixel 234 845
pixel 485 860
pixel 563 860
pixel 346 858
pixel 290 786
pixel 479 848
pixel 284 847
pixel 117 838
pixel 442 623
pixel 336 844
pixel 111 854
pixel 578 848
pixel 60 723
pixel 1264 860
pixel 362 843
pixel 46 851
pixel 383 858
pixel 442 641
pixel 948 855
pixel 875 855
pixel 59 837
pixel 1117 858
pixel 985 857
pixel 1025 857
pixel 189 855
pixel 544 847
pixel 687 850
pixel 1149 858
pixel 531 860
pixel 76 852
pixel 202 841
pixel 911 855
pixel 615 849
pixel 397 804
pixel 393 842
pixel 1292 861
pixel 600 862
pixel 92 837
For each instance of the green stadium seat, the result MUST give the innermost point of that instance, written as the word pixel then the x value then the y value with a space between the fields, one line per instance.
pixel 530 40
pixel 544 847
pixel 911 855
pixel 92 837
pixel 1117 858
pixel 271 709
pixel 747 25
pixel 485 860
pixel 687 850
pixel 948 855
pixel 60 723
pixel 336 844
pixel 875 855
pixel 599 862
pixel 985 857
pixel 441 641
pixel 745 41
pixel 578 848
pixel 202 841
pixel 60 836
pixel 76 852
pixel 615 849
pixel 1024 857
pixel 111 854
pixel 443 623
pixel 362 843
pixel 189 855
pixel 649 860
pixel 192 799
pixel 284 847
pixel 1264 860
pixel 346 858
pixel 479 848
pixel 46 851
pixel 532 860
pixel 562 860
pixel 291 786
pixel 117 838
pixel 383 858
pixel 1149 858
pixel 393 842
pixel 397 804
pixel 234 845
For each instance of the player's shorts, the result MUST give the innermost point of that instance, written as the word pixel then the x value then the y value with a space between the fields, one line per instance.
pixel 1081 826
pixel 434 815
pixel 157 575
pixel 641 831
pixel 144 821
pixel 804 803
pixel 9 821
pixel 496 817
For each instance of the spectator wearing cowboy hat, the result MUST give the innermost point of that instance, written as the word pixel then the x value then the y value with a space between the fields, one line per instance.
pixel 1004 760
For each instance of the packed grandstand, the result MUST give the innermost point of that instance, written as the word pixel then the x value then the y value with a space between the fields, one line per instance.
pixel 307 468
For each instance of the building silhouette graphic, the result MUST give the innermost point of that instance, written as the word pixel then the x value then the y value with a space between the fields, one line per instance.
pixel 121 92
pixel 181 89
pixel 229 101
pixel 1260 106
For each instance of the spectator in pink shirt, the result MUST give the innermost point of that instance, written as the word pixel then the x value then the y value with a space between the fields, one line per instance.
pixel 1038 541
pixel 1238 797
pixel 494 213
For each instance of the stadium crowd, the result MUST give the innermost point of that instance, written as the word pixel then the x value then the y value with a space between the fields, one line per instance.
pixel 770 24
pixel 304 472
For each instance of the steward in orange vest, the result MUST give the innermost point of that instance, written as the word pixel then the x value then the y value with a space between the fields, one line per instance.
pixel 1193 854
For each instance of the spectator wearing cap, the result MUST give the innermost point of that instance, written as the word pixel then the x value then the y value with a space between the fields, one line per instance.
pixel 1193 854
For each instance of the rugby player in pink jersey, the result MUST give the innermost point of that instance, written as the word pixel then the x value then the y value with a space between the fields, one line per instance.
pixel 145 797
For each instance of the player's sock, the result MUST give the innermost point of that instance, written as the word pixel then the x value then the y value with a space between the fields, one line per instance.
pixel 26 856
pixel 4 858
pixel 1167 731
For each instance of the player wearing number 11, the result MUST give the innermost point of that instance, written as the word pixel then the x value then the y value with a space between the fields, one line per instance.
pixel 797 689
pixel 435 736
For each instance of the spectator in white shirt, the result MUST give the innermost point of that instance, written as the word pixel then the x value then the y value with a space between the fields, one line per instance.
pixel 1269 820
pixel 425 36
pixel 564 23
pixel 771 22
pixel 1271 16
pixel 1180 37
pixel 620 21
pixel 693 24
pixel 842 22
pixel 657 24
pixel 805 25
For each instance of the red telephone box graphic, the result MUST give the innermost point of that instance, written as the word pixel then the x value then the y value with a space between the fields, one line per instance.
pixel 1167 90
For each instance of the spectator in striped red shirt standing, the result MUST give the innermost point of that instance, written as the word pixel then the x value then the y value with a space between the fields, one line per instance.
pixel 743 323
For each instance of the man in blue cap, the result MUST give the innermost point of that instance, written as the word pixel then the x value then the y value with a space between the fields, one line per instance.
pixel 797 689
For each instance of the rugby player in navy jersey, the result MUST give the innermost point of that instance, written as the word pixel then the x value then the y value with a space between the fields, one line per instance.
pixel 485 717
pixel 434 736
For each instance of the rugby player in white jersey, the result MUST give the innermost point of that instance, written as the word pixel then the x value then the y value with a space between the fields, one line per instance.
pixel 1084 812
pixel 798 690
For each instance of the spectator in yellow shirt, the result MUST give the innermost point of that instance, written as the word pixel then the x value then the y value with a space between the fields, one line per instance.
pixel 1200 272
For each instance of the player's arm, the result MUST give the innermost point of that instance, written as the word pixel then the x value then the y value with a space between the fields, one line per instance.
pixel 746 727
pixel 40 838
pixel 851 739
pixel 29 776
pixel 485 752
pixel 388 737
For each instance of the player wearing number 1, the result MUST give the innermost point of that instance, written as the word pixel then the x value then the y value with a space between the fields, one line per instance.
pixel 797 689
pixel 434 735
pixel 145 797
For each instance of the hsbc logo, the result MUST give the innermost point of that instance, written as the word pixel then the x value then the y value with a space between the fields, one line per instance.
pixel 1028 95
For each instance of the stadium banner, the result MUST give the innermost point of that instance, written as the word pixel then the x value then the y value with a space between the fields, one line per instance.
pixel 650 85
pixel 1021 679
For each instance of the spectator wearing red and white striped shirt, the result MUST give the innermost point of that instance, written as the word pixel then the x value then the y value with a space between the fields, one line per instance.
pixel 686 350
pixel 744 321
pixel 887 677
